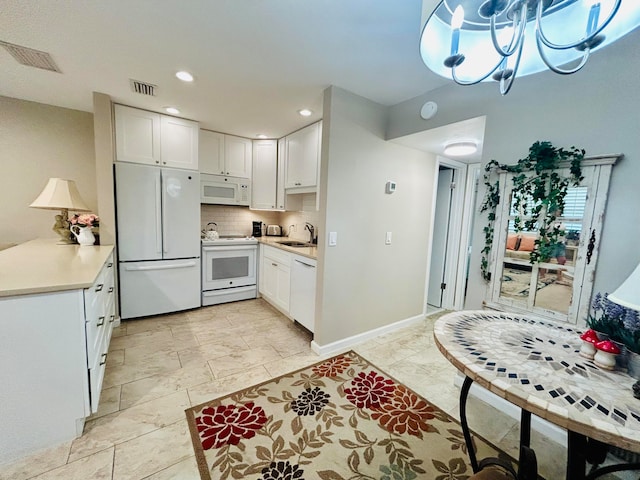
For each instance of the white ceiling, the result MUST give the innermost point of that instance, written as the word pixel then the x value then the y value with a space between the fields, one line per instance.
pixel 255 62
pixel 436 139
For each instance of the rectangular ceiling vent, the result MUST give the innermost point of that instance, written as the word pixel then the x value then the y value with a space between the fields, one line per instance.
pixel 30 57
pixel 143 88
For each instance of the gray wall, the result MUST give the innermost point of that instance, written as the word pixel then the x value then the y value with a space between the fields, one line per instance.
pixel 366 284
pixel 596 109
pixel 37 142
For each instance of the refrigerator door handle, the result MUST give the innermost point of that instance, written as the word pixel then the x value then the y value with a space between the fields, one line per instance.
pixel 146 268
pixel 165 227
pixel 158 206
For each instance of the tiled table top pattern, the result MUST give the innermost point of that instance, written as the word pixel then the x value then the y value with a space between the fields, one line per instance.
pixel 535 364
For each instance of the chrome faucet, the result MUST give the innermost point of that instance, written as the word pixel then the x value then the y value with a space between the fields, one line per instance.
pixel 311 228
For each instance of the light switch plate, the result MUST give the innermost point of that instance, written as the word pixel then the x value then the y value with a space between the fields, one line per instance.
pixel 333 239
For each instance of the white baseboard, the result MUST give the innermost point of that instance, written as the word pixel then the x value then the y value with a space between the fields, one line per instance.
pixel 548 429
pixel 345 343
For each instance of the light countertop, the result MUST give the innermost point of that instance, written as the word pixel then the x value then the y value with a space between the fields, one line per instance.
pixel 41 266
pixel 309 252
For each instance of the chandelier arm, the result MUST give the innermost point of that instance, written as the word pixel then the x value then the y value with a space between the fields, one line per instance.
pixel 552 67
pixel 542 37
pixel 472 82
pixel 506 83
pixel 518 33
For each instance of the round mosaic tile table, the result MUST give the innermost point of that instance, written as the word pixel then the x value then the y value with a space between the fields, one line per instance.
pixel 535 365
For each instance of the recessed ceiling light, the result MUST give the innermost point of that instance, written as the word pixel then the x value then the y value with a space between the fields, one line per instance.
pixel 184 76
pixel 305 112
pixel 459 149
pixel 172 110
pixel 261 135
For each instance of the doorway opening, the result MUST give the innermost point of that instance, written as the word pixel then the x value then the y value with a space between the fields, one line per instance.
pixel 453 213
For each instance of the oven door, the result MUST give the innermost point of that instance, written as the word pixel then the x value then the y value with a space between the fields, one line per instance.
pixel 228 266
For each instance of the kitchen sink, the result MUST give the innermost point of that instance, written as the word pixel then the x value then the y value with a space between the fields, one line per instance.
pixel 296 243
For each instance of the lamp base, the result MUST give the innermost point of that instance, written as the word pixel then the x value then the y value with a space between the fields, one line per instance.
pixel 61 227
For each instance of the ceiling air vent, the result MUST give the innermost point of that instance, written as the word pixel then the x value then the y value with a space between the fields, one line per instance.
pixel 30 57
pixel 143 88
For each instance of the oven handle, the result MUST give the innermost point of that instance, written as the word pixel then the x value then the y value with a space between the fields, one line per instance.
pixel 133 268
pixel 228 247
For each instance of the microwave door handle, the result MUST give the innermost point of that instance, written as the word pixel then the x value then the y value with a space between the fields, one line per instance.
pixel 158 206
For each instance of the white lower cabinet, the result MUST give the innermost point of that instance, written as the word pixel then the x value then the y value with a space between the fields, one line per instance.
pixel 288 282
pixel 53 352
pixel 275 274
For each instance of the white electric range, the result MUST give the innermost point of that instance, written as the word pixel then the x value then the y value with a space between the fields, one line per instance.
pixel 229 269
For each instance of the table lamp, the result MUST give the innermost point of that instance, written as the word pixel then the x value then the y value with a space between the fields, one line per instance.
pixel 61 195
pixel 628 294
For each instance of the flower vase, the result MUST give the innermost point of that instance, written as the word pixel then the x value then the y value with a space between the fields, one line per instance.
pixel 83 235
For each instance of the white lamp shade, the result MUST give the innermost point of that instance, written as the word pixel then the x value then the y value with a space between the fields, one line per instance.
pixel 628 294
pixel 59 194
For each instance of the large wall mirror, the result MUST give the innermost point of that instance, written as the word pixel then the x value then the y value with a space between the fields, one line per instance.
pixel 558 284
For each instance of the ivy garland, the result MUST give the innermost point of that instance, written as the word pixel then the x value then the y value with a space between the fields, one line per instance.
pixel 538 194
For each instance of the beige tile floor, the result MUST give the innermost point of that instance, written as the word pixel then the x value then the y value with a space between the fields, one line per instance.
pixel 158 367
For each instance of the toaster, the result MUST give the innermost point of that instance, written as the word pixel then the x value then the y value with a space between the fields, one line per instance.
pixel 274 230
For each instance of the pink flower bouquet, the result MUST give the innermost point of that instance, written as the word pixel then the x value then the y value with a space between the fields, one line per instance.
pixel 85 220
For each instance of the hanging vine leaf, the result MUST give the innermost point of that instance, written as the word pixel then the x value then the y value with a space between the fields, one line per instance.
pixel 538 196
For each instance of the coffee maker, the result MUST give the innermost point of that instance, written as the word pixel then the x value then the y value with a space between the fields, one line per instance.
pixel 257 229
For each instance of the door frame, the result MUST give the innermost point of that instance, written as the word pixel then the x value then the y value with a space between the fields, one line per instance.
pixel 460 222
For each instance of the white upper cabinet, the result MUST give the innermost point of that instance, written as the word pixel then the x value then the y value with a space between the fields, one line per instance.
pixel 178 143
pixel 265 172
pixel 211 152
pixel 227 155
pixel 137 135
pixel 302 158
pixel 154 139
pixel 280 195
pixel 238 156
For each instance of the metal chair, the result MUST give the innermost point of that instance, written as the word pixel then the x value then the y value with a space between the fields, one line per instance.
pixel 497 469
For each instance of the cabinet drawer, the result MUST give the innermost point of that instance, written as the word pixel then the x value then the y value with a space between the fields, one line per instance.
pixel 99 309
pixel 97 367
pixel 279 256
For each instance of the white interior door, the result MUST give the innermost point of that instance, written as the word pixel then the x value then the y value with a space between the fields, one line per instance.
pixel 440 237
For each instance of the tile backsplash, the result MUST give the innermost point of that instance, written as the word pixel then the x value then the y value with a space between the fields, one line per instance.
pixel 233 220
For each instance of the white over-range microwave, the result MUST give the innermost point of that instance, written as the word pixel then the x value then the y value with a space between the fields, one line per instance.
pixel 221 190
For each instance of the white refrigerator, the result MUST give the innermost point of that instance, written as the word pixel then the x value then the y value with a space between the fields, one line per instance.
pixel 158 238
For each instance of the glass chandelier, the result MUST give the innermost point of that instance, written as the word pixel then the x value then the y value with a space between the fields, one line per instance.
pixel 472 41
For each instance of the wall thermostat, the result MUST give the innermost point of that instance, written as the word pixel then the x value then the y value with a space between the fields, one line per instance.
pixel 390 187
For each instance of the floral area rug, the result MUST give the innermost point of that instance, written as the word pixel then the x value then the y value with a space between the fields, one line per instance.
pixel 340 419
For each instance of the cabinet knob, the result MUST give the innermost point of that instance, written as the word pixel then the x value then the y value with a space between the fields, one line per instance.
pixel 157 161
pixel 222 173
pixel 274 264
pixel 100 321
pixel 104 359
pixel 227 173
pixel 110 264
pixel 112 318
pixel 110 289
pixel 99 287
